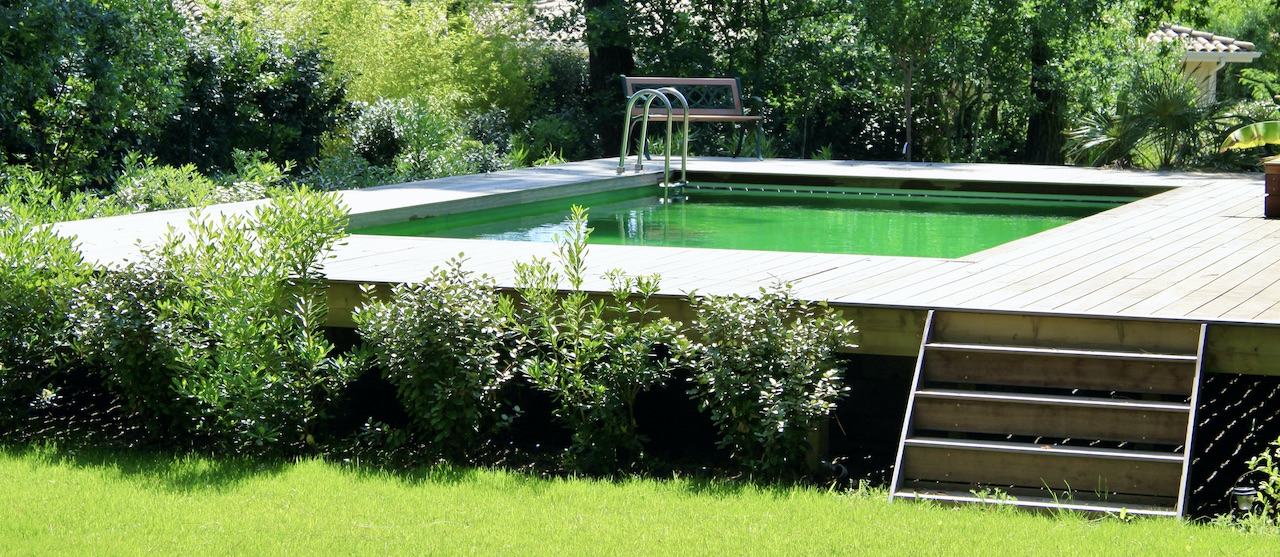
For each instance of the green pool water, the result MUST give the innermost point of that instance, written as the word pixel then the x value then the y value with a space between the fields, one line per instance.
pixel 869 222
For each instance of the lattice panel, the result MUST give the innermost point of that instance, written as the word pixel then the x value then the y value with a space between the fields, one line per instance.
pixel 701 96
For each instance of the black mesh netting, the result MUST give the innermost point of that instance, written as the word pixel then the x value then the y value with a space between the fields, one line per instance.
pixel 1235 420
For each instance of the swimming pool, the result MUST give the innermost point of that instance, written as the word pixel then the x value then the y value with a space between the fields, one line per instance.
pixel 778 218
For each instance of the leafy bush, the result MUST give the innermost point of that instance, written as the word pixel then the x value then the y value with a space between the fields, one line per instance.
pixel 344 169
pixel 82 80
pixel 765 369
pixel 1267 467
pixel 442 344
pixel 420 142
pixel 563 133
pixel 385 128
pixel 31 195
pixel 251 363
pixel 462 52
pixel 491 127
pixel 117 327
pixel 250 90
pixel 38 270
pixel 594 357
pixel 461 156
pixel 87 81
pixel 1160 120
pixel 144 185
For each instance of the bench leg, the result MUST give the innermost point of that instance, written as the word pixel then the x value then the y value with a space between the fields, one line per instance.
pixel 759 141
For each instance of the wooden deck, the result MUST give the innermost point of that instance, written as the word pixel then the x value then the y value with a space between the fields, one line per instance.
pixel 1199 251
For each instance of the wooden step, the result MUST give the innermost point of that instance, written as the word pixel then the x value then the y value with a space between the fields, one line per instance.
pixel 1051 416
pixel 1065 331
pixel 1149 374
pixel 1044 503
pixel 1068 352
pixel 1050 466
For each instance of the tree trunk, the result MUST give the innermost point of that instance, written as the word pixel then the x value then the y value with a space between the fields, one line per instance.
pixel 1045 140
pixel 609 47
pixel 908 73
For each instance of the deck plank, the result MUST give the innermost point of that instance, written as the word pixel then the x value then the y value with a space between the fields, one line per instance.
pixel 1127 259
pixel 1026 259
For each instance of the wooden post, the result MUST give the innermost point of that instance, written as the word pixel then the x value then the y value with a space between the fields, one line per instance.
pixel 1271 203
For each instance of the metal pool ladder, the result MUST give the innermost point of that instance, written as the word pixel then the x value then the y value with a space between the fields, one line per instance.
pixel 650 95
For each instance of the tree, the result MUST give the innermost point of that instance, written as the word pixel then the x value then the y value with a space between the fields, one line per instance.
pixel 608 37
pixel 249 90
pixel 1052 29
pixel 82 80
pixel 909 30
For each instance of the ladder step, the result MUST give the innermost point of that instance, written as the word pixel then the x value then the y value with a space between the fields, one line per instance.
pixel 1012 447
pixel 1064 400
pixel 1051 416
pixel 1034 369
pixel 1064 331
pixel 1014 349
pixel 1027 465
pixel 1041 503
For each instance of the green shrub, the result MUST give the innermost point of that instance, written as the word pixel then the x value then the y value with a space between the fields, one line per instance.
pixel 118 328
pixel 31 195
pixel 83 80
pixel 38 270
pixel 765 369
pixel 145 186
pixel 442 344
pixel 458 157
pixel 1267 467
pixel 562 132
pixel 461 52
pixel 593 357
pixel 343 169
pixel 420 141
pixel 384 129
pixel 250 90
pixel 491 127
pixel 251 362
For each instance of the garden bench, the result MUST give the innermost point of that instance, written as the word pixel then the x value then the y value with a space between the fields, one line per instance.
pixel 711 99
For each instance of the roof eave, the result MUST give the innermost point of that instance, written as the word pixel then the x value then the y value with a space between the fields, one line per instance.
pixel 1243 57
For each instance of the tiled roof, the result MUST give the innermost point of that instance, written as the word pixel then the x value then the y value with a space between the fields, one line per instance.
pixel 1198 41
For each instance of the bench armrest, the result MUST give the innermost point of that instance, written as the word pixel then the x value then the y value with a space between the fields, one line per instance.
pixel 759 105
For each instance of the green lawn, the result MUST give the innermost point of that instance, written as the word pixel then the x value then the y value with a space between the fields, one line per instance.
pixel 103 503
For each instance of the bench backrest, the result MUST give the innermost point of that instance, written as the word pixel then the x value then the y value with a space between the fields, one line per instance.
pixel 721 96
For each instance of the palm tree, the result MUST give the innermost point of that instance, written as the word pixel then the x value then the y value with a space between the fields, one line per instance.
pixel 1158 120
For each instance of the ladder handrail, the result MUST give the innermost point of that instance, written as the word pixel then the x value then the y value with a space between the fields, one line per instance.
pixel 650 95
pixel 684 144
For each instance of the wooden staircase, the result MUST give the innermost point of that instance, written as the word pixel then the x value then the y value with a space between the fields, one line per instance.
pixel 1088 414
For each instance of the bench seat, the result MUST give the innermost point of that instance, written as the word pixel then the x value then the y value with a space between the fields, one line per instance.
pixel 711 99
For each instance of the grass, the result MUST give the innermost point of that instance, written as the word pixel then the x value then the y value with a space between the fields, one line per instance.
pixel 120 503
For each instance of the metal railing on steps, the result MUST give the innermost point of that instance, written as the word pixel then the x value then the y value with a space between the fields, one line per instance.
pixel 649 96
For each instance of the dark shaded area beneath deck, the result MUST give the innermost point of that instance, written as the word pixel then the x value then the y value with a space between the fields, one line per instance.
pixel 865 431
pixel 1236 419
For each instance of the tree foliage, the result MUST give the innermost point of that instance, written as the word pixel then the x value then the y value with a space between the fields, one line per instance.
pixel 245 89
pixel 81 81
